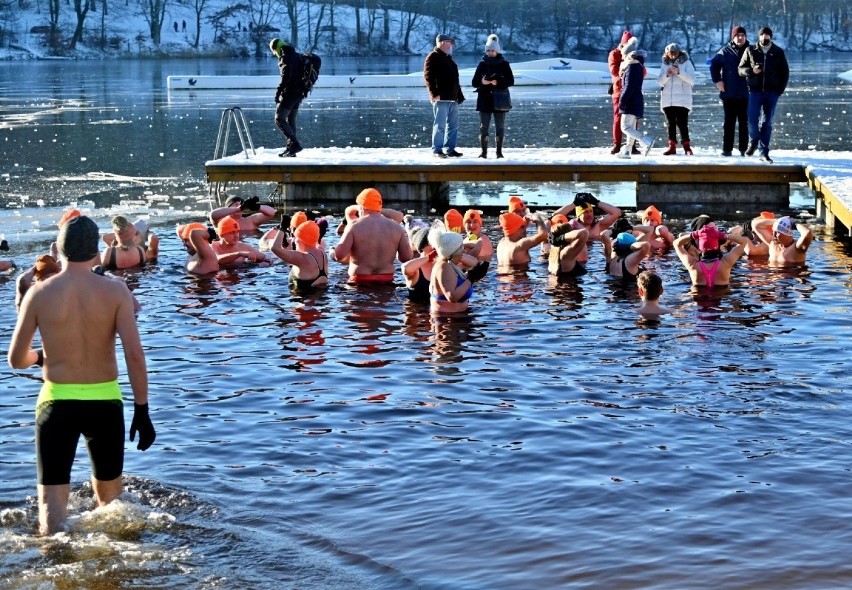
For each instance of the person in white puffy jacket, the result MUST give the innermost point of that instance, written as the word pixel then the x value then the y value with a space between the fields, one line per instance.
pixel 677 75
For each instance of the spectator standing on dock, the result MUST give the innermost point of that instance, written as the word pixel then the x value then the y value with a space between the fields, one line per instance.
pixel 765 67
pixel 288 95
pixel 442 81
pixel 631 104
pixel 370 243
pixel 492 73
pixel 677 75
pixel 733 90
pixel 614 61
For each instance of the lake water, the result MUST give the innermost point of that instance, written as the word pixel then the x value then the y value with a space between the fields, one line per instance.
pixel 548 439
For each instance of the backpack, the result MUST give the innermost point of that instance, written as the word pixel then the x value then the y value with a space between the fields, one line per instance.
pixel 311 64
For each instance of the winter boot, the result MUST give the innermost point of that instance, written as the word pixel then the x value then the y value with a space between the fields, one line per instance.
pixel 686 149
pixel 499 146
pixel 483 143
pixel 672 149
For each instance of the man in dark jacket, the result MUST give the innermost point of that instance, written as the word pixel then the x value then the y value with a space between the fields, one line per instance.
pixel 765 67
pixel 733 90
pixel 288 96
pixel 442 80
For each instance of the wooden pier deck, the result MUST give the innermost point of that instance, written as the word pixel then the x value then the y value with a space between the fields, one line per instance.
pixel 708 180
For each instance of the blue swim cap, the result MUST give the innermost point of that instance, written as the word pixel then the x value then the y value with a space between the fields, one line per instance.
pixel 623 242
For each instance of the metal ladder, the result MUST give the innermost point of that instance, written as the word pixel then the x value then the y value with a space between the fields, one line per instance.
pixel 232 116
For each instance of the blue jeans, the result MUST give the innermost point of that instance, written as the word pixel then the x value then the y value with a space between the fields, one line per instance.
pixel 445 128
pixel 758 130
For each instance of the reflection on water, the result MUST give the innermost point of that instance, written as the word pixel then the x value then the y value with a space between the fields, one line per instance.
pixel 549 437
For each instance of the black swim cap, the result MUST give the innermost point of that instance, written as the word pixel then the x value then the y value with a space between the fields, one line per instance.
pixel 78 239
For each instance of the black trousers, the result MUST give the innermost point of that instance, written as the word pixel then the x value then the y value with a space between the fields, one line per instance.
pixel 499 123
pixel 677 119
pixel 286 112
pixel 736 113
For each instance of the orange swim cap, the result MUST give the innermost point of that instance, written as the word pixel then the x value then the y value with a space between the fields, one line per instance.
pixel 299 217
pixel 511 222
pixel 68 216
pixel 370 199
pixel 472 214
pixel 227 225
pixel 767 215
pixel 453 221
pixel 516 203
pixel 308 232
pixel 557 219
pixel 183 231
pixel 45 265
pixel 653 213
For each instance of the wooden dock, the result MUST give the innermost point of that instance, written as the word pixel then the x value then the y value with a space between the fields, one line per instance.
pixel 719 184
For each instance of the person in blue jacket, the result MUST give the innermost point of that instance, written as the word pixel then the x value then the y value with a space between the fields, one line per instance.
pixel 765 67
pixel 733 90
pixel 631 103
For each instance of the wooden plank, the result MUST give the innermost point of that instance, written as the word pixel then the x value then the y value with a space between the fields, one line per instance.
pixel 223 171
pixel 833 203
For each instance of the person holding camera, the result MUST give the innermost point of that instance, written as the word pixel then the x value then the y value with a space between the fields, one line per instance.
pixel 677 75
pixel 492 73
pixel 765 68
pixel 258 214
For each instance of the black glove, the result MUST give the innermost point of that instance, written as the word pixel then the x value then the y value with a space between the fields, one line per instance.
pixel 142 423
pixel 4 246
pixel 212 236
pixel 557 236
pixel 322 223
pixel 284 225
pixel 747 232
pixel 478 271
pixel 250 204
pixel 621 225
pixel 460 99
pixel 585 198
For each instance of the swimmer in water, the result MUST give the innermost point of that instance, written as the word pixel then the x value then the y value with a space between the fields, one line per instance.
pixel 78 315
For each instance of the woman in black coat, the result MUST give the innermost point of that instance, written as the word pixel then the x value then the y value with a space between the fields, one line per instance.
pixel 492 73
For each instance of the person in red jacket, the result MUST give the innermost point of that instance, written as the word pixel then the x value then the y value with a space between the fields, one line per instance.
pixel 614 60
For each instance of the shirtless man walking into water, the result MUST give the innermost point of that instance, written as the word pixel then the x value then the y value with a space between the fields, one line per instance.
pixel 370 244
pixel 777 234
pixel 78 314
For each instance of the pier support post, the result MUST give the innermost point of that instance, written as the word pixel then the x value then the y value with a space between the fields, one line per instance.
pixel 721 198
